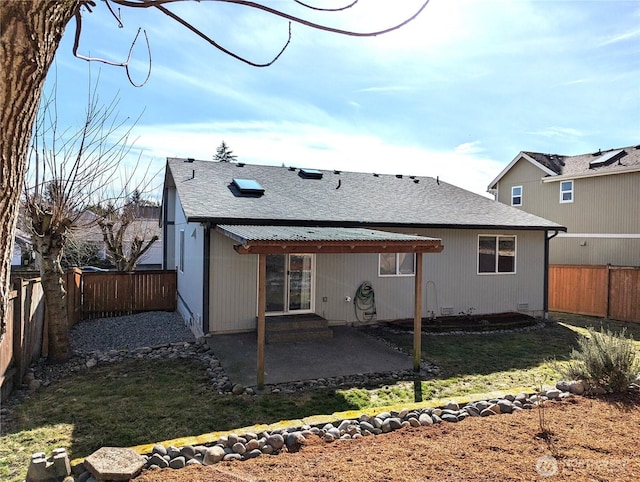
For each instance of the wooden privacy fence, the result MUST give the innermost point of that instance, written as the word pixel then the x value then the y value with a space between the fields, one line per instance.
pixel 606 291
pixel 89 295
pixel 25 339
pixel 105 294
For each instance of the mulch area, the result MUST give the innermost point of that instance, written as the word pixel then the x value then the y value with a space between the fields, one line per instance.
pixel 592 439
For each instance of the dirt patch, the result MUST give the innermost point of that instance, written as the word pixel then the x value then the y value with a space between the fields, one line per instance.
pixel 592 439
pixel 472 323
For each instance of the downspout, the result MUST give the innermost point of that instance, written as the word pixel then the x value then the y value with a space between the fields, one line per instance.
pixel 206 277
pixel 545 299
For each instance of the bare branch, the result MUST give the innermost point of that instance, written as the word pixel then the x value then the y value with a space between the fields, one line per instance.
pixel 125 64
pixel 159 4
pixel 116 16
pixel 220 47
pixel 279 13
pixel 339 9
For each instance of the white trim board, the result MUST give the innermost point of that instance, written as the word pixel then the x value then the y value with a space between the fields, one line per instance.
pixel 580 175
pixel 599 235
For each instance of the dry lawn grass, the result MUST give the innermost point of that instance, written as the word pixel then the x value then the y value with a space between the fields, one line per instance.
pixel 592 440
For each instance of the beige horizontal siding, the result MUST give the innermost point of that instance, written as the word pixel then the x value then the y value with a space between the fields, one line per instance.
pixel 607 206
pixel 450 279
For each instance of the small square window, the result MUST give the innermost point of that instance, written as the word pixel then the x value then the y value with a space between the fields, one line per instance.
pixel 516 195
pixel 566 192
pixel 396 264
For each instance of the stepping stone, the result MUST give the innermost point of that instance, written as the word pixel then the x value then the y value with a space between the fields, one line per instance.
pixel 114 463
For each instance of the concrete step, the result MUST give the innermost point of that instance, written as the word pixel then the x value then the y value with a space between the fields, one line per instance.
pixel 298 335
pixel 283 324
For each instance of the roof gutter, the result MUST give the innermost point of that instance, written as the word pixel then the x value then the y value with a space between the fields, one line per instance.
pixel 364 224
pixel 590 174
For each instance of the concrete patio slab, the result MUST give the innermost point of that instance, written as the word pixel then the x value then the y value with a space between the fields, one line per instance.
pixel 349 352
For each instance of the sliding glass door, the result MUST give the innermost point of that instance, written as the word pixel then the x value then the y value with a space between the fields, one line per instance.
pixel 289 283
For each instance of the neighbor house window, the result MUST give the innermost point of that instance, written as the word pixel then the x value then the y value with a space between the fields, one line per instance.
pixel 566 192
pixel 516 195
pixel 396 264
pixel 181 266
pixel 496 254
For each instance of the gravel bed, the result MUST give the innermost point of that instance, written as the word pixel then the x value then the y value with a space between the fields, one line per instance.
pixel 129 332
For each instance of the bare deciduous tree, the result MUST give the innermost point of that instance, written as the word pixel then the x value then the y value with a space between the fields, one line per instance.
pixel 127 238
pixel 30 33
pixel 66 170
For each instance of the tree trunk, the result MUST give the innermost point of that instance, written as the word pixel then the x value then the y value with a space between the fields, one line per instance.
pixel 55 300
pixel 30 32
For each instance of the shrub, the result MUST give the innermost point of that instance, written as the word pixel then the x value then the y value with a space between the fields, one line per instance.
pixel 604 359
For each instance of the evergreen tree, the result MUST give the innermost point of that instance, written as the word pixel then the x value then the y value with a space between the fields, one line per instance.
pixel 224 154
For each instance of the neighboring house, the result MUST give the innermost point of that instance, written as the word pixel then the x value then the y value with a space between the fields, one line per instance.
pixel 595 195
pixel 223 222
pixel 88 236
pixel 22 250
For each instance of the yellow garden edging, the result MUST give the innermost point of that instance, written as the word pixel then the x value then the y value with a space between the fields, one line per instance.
pixel 212 437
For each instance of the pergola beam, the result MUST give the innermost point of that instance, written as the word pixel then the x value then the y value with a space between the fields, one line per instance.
pixel 335 248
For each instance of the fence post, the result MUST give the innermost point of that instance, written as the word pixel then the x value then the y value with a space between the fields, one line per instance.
pixel 73 282
pixel 18 330
pixel 608 303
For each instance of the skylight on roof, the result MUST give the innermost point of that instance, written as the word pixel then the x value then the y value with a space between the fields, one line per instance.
pixel 248 186
pixel 311 173
pixel 606 158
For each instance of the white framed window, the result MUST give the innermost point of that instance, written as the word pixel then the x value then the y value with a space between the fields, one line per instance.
pixel 516 195
pixel 566 191
pixel 181 261
pixel 396 264
pixel 496 254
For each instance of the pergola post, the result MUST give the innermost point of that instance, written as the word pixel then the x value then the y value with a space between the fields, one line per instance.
pixel 417 317
pixel 262 302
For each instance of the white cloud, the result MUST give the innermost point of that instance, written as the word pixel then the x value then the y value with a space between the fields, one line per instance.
pixel 621 37
pixel 307 145
pixel 469 148
pixel 559 132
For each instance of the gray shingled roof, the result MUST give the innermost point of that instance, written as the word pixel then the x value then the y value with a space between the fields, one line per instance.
pixel 621 158
pixel 340 199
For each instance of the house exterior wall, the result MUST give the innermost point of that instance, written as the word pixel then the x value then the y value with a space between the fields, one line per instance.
pixel 190 277
pixel 525 174
pixel 450 280
pixel 603 221
pixel 169 236
pixel 233 287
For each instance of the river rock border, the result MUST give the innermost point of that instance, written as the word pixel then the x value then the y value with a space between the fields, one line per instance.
pixel 43 374
pixel 250 445
pixel 244 446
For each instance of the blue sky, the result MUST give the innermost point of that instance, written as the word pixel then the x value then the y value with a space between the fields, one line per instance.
pixel 457 93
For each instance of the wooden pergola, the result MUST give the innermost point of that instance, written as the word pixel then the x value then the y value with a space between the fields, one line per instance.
pixel 264 240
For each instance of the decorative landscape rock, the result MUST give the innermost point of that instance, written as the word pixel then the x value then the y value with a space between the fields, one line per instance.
pixel 43 469
pixel 114 463
pixel 239 447
pixel 43 373
pixel 246 446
